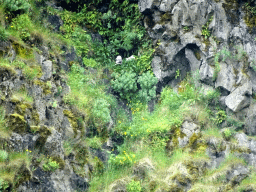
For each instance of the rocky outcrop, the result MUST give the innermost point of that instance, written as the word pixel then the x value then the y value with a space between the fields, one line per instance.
pixel 212 37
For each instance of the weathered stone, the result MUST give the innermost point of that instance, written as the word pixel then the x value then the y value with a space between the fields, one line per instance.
pixel 145 5
pixel 226 77
pixel 119 185
pixel 143 168
pixel 47 70
pixel 56 21
pixel 250 124
pixel 240 97
pixel 193 61
pixel 237 174
pixel 188 128
pixel 206 73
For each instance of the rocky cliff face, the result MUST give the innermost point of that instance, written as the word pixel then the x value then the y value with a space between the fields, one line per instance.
pixel 215 38
pixel 40 123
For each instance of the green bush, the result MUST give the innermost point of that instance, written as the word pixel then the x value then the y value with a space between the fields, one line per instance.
pixel 147 82
pixel 15 5
pixel 50 165
pixel 134 186
pixel 125 84
pixel 22 25
pixel 3 155
pixel 101 112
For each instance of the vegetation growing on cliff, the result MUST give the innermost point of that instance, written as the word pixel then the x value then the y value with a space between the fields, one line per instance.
pixel 110 109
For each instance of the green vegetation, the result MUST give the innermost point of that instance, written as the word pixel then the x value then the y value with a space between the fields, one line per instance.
pixel 93 105
pixel 50 165
pixel 134 186
pixel 205 28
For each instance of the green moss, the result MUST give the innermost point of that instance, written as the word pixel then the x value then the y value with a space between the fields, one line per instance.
pixel 24 174
pixel 250 15
pixel 22 107
pixel 197 55
pixel 231 8
pixel 45 86
pixel 35 117
pixel 22 51
pixel 6 68
pixel 81 153
pixel 193 141
pixel 44 133
pixel 166 18
pixel 72 119
pixel 17 123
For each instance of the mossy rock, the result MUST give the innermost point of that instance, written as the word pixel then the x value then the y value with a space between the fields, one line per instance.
pixel 23 51
pixel 197 55
pixel 44 133
pixel 250 16
pixel 46 88
pixel 17 123
pixel 231 8
pixel 35 117
pixel 72 119
pixel 7 71
pixel 60 161
pixel 24 174
pixel 166 18
pixel 22 107
pixel 81 153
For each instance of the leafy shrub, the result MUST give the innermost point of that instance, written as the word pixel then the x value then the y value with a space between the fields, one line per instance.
pixel 125 84
pixel 148 86
pixel 50 165
pixel 23 26
pixel 15 5
pixel 134 186
pixel 220 116
pixel 227 133
pixel 3 155
pixel 89 62
pixel 101 112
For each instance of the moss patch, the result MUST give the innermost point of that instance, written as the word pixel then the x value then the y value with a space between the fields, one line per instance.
pixel 72 119
pixel 44 133
pixel 231 8
pixel 46 87
pixel 166 18
pixel 250 15
pixel 17 123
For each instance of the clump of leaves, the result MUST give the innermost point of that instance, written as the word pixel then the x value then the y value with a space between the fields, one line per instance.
pixel 147 83
pixel 125 84
pixel 15 5
pixel 50 165
pixel 134 186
